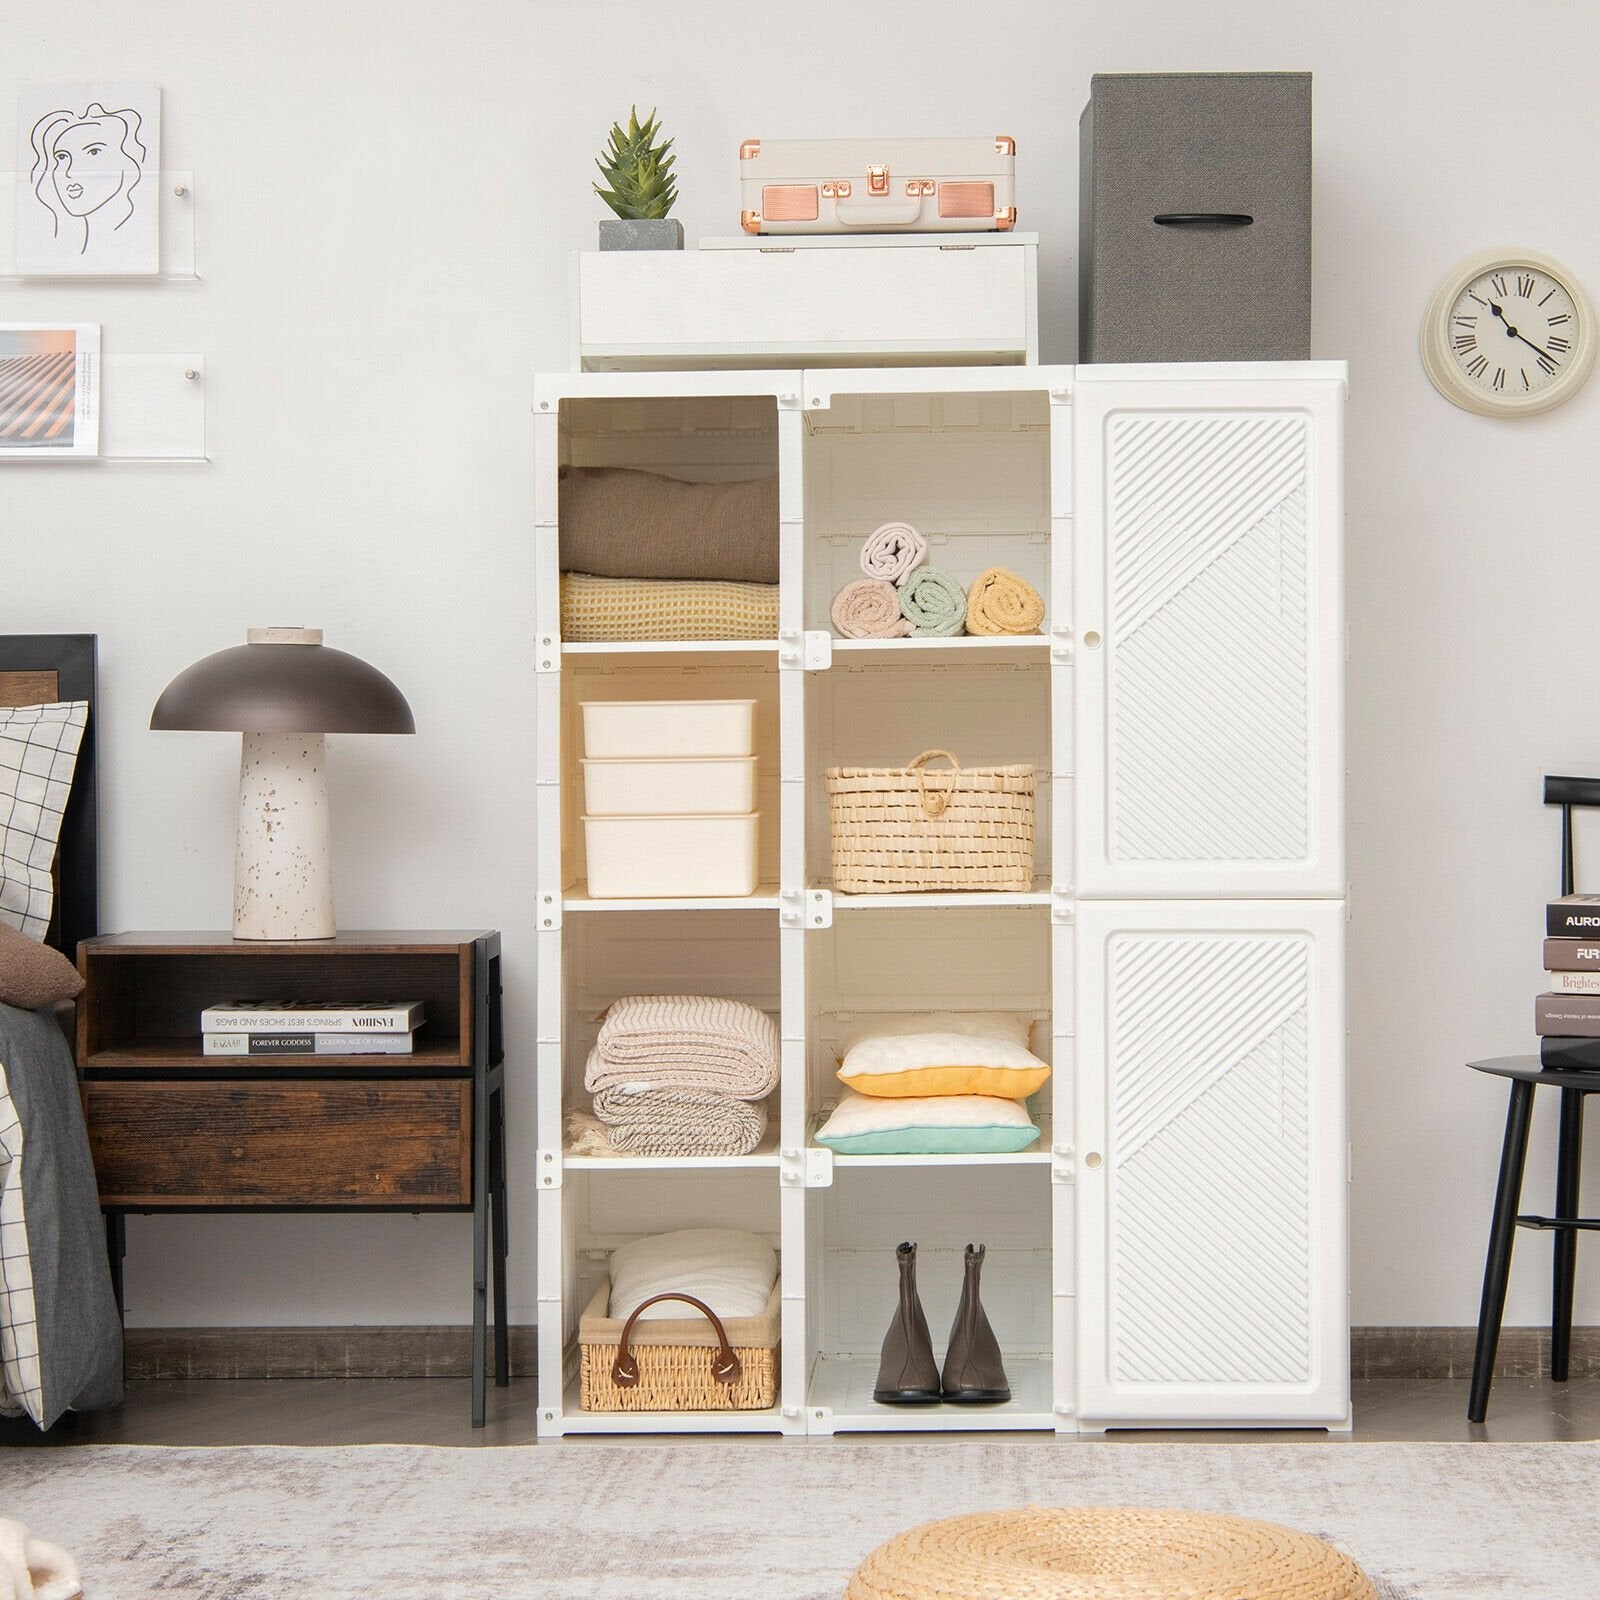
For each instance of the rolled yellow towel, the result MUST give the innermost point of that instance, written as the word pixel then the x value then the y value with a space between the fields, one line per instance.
pixel 869 608
pixel 1000 602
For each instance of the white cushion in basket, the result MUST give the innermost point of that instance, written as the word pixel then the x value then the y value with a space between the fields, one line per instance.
pixel 731 1270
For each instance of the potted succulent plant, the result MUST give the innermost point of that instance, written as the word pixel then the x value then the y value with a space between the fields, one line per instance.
pixel 639 187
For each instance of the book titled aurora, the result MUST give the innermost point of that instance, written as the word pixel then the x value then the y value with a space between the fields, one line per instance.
pixel 49 390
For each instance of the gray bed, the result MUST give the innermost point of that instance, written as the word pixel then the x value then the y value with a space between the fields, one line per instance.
pixel 60 1332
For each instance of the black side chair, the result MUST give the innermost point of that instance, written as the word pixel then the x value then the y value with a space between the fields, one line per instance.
pixel 1527 1074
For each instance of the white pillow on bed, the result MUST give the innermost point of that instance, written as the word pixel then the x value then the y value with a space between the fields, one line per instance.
pixel 731 1270
pixel 38 751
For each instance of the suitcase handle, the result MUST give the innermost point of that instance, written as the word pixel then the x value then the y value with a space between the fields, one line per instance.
pixel 726 1367
pixel 898 212
pixel 1204 221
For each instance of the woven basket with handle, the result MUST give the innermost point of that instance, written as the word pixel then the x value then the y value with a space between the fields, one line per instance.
pixel 697 1363
pixel 897 830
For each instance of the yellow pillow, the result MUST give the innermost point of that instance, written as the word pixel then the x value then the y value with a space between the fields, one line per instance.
pixel 945 1052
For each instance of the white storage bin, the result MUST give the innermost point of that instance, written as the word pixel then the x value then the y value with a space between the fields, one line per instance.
pixel 635 728
pixel 811 301
pixel 662 858
pixel 719 786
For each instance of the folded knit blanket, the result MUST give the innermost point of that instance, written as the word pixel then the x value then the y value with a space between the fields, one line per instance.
pixel 892 551
pixel 1001 602
pixel 934 603
pixel 869 608
pixel 680 1122
pixel 686 1041
pixel 603 610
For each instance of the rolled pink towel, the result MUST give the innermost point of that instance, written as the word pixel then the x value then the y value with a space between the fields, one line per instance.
pixel 869 608
pixel 893 552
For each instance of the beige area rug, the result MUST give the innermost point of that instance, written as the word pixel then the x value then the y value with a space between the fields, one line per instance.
pixel 767 1520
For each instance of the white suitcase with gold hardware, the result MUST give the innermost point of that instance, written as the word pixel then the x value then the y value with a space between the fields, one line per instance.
pixel 878 186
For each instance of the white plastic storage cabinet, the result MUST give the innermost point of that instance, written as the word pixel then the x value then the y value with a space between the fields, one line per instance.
pixel 810 300
pixel 1173 1248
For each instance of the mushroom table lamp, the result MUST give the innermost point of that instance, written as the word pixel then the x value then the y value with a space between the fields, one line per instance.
pixel 283 691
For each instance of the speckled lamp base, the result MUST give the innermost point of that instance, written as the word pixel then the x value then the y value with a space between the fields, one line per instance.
pixel 283 861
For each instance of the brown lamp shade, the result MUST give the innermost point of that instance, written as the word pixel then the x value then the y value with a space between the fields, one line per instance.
pixel 283 687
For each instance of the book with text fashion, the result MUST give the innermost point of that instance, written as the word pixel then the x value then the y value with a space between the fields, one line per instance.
pixel 307 1016
pixel 1573 982
pixel 264 1042
pixel 1572 955
pixel 1567 1016
pixel 1582 1055
pixel 1573 916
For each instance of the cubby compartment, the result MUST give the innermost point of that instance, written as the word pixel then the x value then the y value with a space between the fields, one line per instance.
pixel 983 710
pixel 659 677
pixel 852 1230
pixel 697 438
pixel 971 472
pixel 598 1213
pixel 893 964
pixel 730 954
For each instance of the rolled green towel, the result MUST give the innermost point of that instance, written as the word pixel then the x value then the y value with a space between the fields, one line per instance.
pixel 934 603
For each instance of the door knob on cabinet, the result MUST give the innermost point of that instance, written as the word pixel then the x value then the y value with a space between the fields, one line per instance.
pixel 1093 1160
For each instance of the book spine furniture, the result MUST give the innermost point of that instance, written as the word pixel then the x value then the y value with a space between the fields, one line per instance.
pixel 262 1043
pixel 1572 955
pixel 1573 916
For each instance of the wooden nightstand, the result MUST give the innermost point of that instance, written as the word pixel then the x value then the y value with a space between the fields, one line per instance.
pixel 174 1130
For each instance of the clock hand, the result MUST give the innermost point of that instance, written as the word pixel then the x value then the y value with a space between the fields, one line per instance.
pixel 1511 333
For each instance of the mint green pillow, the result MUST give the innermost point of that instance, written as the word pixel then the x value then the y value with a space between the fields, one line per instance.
pixel 930 1125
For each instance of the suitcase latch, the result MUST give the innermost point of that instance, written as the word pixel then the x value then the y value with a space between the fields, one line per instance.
pixel 877 180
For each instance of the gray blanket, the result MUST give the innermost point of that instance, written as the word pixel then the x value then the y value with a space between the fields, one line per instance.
pixel 60 1336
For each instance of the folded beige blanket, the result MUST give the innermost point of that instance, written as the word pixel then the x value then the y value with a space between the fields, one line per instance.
pixel 685 1041
pixel 892 551
pixel 869 608
pixel 680 1122
pixel 620 523
pixel 603 610
pixel 1000 602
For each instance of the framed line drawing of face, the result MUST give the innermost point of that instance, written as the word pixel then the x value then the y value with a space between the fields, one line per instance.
pixel 88 199
pixel 49 390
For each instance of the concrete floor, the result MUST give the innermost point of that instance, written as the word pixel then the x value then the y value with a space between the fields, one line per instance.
pixel 336 1411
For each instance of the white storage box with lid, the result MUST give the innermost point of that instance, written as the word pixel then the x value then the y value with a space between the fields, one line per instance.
pixel 709 786
pixel 647 728
pixel 811 300
pixel 668 858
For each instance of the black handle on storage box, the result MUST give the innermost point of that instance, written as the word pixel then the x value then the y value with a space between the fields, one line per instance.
pixel 1204 221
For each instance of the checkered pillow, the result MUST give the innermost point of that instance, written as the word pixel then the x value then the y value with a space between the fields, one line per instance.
pixel 38 750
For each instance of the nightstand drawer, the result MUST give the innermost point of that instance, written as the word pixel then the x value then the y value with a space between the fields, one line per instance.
pixel 282 1143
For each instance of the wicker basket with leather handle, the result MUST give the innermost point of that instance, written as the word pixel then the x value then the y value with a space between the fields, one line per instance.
pixel 898 830
pixel 700 1363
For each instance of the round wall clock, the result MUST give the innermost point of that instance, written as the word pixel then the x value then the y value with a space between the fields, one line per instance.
pixel 1507 333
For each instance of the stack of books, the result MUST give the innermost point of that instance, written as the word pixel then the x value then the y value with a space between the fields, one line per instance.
pixel 1567 1018
pixel 302 1028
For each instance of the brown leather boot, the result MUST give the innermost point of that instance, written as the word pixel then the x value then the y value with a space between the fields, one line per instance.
pixel 973 1372
pixel 908 1375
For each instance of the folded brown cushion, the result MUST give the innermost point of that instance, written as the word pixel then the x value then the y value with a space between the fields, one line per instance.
pixel 620 523
pixel 32 974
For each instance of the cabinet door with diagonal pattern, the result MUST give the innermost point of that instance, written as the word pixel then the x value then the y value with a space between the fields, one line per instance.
pixel 1211 1162
pixel 1209 632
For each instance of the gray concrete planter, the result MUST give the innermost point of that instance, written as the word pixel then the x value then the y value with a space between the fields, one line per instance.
pixel 641 233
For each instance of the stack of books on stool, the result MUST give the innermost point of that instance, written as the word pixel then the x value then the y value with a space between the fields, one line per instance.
pixel 302 1028
pixel 1567 1018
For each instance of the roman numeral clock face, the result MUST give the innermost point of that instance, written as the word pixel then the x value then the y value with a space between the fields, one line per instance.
pixel 1508 335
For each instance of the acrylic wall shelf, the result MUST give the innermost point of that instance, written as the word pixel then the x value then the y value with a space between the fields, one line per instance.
pixel 177 238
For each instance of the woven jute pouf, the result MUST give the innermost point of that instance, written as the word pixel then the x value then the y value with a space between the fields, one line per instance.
pixel 1106 1553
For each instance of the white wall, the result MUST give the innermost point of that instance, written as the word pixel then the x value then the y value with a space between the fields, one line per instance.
pixel 388 196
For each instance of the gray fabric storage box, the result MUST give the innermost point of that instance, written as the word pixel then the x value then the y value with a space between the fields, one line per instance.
pixel 1203 151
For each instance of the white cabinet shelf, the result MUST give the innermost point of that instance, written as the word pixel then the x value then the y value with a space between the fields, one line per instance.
pixel 1182 711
